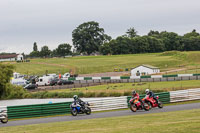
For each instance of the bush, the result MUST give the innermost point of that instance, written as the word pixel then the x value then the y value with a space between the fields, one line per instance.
pixel 14 91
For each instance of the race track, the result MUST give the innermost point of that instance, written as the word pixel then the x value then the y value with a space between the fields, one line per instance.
pixel 100 115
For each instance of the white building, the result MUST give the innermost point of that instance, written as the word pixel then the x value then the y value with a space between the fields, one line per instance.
pixel 144 70
pixel 11 57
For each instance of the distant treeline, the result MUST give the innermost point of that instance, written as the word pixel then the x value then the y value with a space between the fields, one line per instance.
pixel 88 38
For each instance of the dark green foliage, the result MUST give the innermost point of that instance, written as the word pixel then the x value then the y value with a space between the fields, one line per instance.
pixel 45 52
pixel 88 37
pixel 6 72
pixel 63 50
pixel 35 47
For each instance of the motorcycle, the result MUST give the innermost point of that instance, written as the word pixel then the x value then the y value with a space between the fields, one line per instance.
pixel 135 105
pixel 78 109
pixel 152 102
pixel 3 116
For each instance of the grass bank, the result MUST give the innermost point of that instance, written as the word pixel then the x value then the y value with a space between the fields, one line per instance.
pixel 118 89
pixel 100 64
pixel 179 121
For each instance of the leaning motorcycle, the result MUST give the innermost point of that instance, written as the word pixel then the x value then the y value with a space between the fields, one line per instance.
pixel 78 109
pixel 3 116
pixel 135 105
pixel 152 102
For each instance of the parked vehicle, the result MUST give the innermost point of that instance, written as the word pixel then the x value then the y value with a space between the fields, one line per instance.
pixel 152 102
pixel 44 81
pixel 19 81
pixel 77 109
pixel 64 82
pixel 30 86
pixel 3 116
pixel 68 75
pixel 135 105
pixel 54 81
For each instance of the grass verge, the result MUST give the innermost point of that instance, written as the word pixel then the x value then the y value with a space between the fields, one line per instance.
pixel 178 121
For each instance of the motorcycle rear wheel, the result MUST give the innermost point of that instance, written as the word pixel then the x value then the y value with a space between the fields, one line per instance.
pixel 5 120
pixel 74 112
pixel 150 106
pixel 133 107
pixel 88 111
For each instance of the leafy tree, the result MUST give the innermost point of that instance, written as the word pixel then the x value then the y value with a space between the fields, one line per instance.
pixel 191 34
pixel 171 40
pixel 35 47
pixel 64 49
pixel 34 54
pixel 45 52
pixel 88 37
pixel 153 33
pixel 155 44
pixel 105 49
pixel 131 32
pixel 5 76
pixel 191 43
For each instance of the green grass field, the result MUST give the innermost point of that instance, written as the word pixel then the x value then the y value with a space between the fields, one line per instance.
pixel 98 64
pixel 126 87
pixel 179 121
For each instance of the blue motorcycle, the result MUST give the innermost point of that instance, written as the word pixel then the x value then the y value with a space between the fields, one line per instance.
pixel 78 109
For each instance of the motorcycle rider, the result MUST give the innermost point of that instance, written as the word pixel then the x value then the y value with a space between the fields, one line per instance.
pixel 77 100
pixel 151 94
pixel 137 96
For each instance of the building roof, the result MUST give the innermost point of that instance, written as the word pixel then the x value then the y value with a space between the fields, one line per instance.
pixel 148 66
pixel 6 56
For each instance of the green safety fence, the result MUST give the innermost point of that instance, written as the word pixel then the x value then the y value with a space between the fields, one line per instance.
pixel 164 97
pixel 166 76
pixel 37 110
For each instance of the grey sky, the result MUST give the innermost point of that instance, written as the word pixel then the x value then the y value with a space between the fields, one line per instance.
pixel 51 22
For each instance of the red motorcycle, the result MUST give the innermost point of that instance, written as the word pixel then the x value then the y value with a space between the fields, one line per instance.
pixel 152 102
pixel 135 105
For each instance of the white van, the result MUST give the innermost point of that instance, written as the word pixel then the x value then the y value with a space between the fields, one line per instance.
pixel 44 81
pixel 19 81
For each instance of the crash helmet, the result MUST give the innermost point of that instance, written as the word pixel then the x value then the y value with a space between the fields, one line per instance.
pixel 133 92
pixel 75 97
pixel 147 91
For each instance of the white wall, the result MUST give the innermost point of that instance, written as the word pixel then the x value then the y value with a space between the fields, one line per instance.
pixel 9 59
pixel 20 57
pixel 143 69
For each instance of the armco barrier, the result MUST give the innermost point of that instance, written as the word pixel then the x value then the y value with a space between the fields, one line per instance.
pixel 108 103
pixel 37 110
pixel 96 105
pixel 164 97
pixel 135 77
pixel 185 95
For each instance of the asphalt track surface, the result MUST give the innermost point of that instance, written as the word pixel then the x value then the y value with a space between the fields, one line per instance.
pixel 100 115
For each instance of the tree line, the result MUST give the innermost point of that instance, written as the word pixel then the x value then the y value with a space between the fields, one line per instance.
pixel 89 38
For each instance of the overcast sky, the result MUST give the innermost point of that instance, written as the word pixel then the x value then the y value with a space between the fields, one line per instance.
pixel 51 22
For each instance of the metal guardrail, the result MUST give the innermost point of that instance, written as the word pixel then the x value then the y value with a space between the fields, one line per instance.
pixel 185 95
pixel 25 111
pixel 108 103
pixel 101 104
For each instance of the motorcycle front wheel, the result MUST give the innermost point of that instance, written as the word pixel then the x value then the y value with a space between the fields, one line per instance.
pixel 146 107
pixel 88 111
pixel 5 120
pixel 160 104
pixel 133 107
pixel 74 112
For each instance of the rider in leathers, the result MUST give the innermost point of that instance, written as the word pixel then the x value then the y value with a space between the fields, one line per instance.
pixel 77 100
pixel 151 94
pixel 137 96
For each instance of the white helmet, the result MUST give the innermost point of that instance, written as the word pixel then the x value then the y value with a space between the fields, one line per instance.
pixel 147 91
